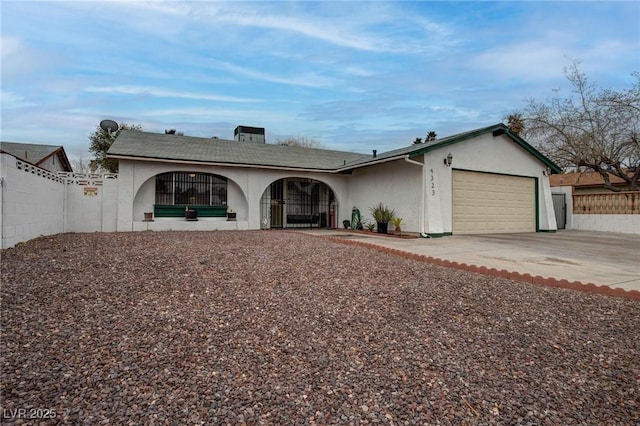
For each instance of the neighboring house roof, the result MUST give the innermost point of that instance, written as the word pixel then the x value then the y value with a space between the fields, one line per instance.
pixel 156 146
pixel 36 154
pixel 589 179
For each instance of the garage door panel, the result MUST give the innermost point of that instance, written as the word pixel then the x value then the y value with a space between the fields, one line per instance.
pixel 492 203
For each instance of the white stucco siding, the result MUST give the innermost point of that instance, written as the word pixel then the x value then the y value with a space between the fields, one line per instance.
pixel 487 154
pixel 398 184
pixel 421 195
pixel 245 188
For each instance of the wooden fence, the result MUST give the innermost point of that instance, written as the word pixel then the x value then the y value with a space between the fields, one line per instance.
pixel 607 203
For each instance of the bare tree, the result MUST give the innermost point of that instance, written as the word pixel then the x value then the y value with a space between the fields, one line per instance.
pixel 173 132
pixel 302 141
pixel 79 165
pixel 592 129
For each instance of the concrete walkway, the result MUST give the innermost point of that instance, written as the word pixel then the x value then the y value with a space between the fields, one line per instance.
pixel 600 258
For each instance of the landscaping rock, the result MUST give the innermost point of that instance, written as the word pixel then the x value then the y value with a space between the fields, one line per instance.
pixel 268 327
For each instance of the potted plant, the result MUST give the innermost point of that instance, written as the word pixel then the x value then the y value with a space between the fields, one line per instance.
pixel 382 215
pixel 397 223
pixel 190 214
pixel 231 215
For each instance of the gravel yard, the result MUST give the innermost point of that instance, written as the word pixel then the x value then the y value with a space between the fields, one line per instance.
pixel 268 327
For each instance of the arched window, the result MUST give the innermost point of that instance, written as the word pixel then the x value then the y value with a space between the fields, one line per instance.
pixel 203 191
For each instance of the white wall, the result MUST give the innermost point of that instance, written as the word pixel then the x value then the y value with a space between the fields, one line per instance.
pixel 422 196
pixel 567 191
pixel 624 223
pixel 32 202
pixel 397 184
pixel 492 155
pixel 245 188
pixel 90 213
pixel 52 164
pixel 36 202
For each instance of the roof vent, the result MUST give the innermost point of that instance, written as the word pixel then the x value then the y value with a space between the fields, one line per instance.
pixel 375 153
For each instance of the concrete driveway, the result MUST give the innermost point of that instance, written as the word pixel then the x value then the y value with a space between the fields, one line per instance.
pixel 600 258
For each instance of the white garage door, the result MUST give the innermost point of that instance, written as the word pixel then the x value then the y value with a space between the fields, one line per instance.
pixel 491 203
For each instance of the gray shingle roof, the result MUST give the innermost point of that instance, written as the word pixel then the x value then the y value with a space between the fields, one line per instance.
pixel 35 153
pixel 141 145
pixel 187 148
pixel 32 153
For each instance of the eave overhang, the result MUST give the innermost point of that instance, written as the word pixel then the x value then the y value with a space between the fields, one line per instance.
pixel 497 130
pixel 219 164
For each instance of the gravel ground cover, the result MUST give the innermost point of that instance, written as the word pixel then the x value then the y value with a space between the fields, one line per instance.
pixel 272 327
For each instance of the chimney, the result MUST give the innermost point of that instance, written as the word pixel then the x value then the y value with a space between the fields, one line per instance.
pixel 375 153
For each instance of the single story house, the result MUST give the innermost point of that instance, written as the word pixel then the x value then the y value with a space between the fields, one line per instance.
pixel 487 180
pixel 48 157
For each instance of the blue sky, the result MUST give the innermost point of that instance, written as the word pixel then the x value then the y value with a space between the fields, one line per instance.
pixel 353 76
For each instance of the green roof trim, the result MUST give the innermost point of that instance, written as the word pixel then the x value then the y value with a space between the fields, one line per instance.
pixel 496 130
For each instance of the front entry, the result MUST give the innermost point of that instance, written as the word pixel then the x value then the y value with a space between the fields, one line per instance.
pixel 296 203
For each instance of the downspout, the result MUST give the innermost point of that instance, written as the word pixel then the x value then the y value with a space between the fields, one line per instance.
pixel 421 211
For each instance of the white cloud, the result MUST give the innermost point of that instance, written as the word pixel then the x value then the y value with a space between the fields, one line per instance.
pixel 368 26
pixel 307 79
pixel 316 27
pixel 19 59
pixel 10 46
pixel 203 114
pixel 296 67
pixel 163 93
pixel 11 100
pixel 528 60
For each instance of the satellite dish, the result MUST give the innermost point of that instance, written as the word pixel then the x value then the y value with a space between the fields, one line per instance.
pixel 109 126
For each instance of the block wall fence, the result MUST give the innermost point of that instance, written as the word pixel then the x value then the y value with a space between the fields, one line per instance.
pixel 35 202
pixel 604 212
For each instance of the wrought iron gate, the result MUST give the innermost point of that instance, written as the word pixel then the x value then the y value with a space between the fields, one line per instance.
pixel 296 203
pixel 560 209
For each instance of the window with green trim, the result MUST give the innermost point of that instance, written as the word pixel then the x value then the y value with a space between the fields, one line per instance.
pixel 187 188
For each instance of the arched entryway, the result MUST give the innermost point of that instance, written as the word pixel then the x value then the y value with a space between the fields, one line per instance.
pixel 297 203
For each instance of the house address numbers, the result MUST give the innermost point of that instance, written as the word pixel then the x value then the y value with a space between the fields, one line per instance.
pixel 432 182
